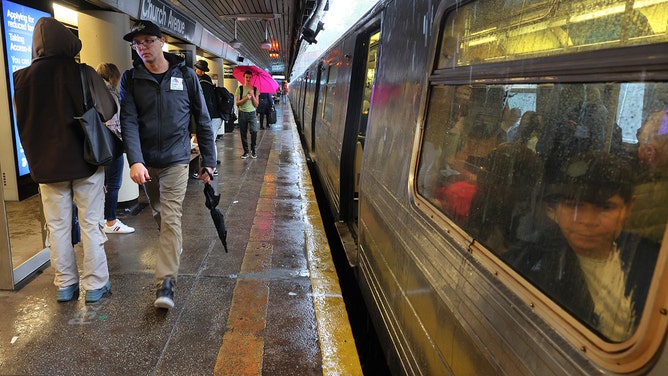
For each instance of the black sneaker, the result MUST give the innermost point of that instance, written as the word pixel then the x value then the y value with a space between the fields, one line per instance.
pixel 165 295
pixel 253 155
pixel 244 156
pixel 194 175
pixel 215 172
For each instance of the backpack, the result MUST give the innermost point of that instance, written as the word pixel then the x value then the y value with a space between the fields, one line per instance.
pixel 225 102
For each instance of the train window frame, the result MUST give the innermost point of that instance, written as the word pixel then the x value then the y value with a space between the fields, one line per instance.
pixel 329 89
pixel 637 351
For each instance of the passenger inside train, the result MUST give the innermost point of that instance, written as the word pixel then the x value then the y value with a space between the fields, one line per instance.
pixel 505 195
pixel 647 218
pixel 583 259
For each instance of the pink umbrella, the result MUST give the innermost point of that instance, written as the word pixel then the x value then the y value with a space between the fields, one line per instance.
pixel 261 79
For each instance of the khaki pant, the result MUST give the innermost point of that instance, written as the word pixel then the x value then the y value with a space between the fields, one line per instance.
pixel 165 193
pixel 88 195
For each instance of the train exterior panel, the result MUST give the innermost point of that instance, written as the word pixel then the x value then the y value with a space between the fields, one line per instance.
pixel 453 218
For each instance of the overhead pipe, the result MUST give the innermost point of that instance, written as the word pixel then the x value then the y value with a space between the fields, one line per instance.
pixel 314 24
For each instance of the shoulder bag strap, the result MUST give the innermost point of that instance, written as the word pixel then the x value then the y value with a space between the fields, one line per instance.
pixel 83 86
pixel 88 94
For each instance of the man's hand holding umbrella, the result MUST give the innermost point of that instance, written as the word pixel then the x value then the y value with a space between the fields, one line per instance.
pixel 206 175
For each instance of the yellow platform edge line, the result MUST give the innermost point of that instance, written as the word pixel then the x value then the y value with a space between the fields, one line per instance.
pixel 337 344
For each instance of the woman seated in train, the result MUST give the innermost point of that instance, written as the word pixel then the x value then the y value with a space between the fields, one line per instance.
pixel 583 260
pixel 530 130
pixel 481 134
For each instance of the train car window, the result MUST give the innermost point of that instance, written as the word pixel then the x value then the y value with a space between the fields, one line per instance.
pixel 546 177
pixel 506 30
pixel 330 89
pixel 557 176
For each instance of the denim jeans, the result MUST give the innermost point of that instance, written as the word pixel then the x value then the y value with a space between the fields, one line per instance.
pixel 215 124
pixel 113 177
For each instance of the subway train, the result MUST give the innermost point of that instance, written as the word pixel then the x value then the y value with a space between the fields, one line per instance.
pixel 496 171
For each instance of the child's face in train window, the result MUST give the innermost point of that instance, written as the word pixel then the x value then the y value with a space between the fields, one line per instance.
pixel 589 228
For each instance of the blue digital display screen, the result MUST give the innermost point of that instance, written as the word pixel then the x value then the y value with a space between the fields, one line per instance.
pixel 19 22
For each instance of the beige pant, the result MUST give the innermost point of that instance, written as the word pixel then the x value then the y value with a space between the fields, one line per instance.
pixel 88 195
pixel 165 193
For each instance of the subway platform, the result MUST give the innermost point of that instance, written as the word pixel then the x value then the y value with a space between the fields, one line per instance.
pixel 271 306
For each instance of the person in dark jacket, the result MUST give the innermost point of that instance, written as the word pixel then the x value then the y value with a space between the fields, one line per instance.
pixel 582 259
pixel 48 96
pixel 263 109
pixel 158 97
pixel 209 91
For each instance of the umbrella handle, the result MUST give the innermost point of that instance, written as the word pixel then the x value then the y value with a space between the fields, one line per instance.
pixel 208 173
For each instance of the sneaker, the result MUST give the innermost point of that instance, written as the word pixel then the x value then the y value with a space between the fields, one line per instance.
pixel 244 156
pixel 194 175
pixel 253 155
pixel 93 296
pixel 68 293
pixel 215 172
pixel 217 162
pixel 165 295
pixel 118 228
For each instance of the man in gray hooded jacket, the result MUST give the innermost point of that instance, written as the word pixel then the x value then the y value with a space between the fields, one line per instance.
pixel 158 97
pixel 48 95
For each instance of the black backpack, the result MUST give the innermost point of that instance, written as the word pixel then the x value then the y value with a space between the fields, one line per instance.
pixel 225 102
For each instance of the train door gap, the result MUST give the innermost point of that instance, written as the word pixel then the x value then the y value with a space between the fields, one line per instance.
pixel 359 106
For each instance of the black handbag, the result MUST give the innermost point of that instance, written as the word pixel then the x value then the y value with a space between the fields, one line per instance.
pixel 272 115
pixel 101 146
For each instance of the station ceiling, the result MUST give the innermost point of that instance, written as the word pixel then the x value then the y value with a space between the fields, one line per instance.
pixel 284 20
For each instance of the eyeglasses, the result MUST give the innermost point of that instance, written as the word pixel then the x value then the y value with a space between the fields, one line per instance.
pixel 146 43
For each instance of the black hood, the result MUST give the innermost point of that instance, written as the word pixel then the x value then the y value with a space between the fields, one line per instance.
pixel 51 38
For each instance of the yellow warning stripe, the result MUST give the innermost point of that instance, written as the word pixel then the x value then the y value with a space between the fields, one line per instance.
pixel 243 345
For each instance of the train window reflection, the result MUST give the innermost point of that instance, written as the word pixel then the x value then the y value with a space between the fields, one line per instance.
pixel 505 30
pixel 329 92
pixel 561 182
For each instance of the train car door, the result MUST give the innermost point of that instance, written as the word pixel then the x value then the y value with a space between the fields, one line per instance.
pixel 316 103
pixel 359 106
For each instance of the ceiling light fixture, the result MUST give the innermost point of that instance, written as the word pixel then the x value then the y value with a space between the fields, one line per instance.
pixel 265 44
pixel 235 43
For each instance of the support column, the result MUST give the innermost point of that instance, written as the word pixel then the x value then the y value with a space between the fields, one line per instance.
pixel 101 35
pixel 185 50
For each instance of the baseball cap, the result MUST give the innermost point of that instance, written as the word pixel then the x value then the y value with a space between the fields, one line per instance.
pixel 143 27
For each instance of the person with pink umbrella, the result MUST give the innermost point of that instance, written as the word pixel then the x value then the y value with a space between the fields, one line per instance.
pixel 247 100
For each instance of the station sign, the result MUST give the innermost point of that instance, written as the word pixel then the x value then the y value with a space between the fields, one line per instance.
pixel 168 18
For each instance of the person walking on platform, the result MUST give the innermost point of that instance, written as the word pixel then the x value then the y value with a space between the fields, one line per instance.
pixel 209 90
pixel 158 96
pixel 247 100
pixel 264 108
pixel 113 174
pixel 48 95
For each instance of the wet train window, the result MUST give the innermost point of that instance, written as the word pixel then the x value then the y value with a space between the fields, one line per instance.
pixel 505 30
pixel 563 182
pixel 330 90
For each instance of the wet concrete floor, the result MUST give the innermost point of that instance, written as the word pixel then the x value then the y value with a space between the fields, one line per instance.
pixel 271 306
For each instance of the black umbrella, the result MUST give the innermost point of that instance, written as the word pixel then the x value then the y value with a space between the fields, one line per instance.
pixel 211 203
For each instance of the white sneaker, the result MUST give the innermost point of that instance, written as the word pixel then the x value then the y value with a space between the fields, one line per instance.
pixel 118 228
